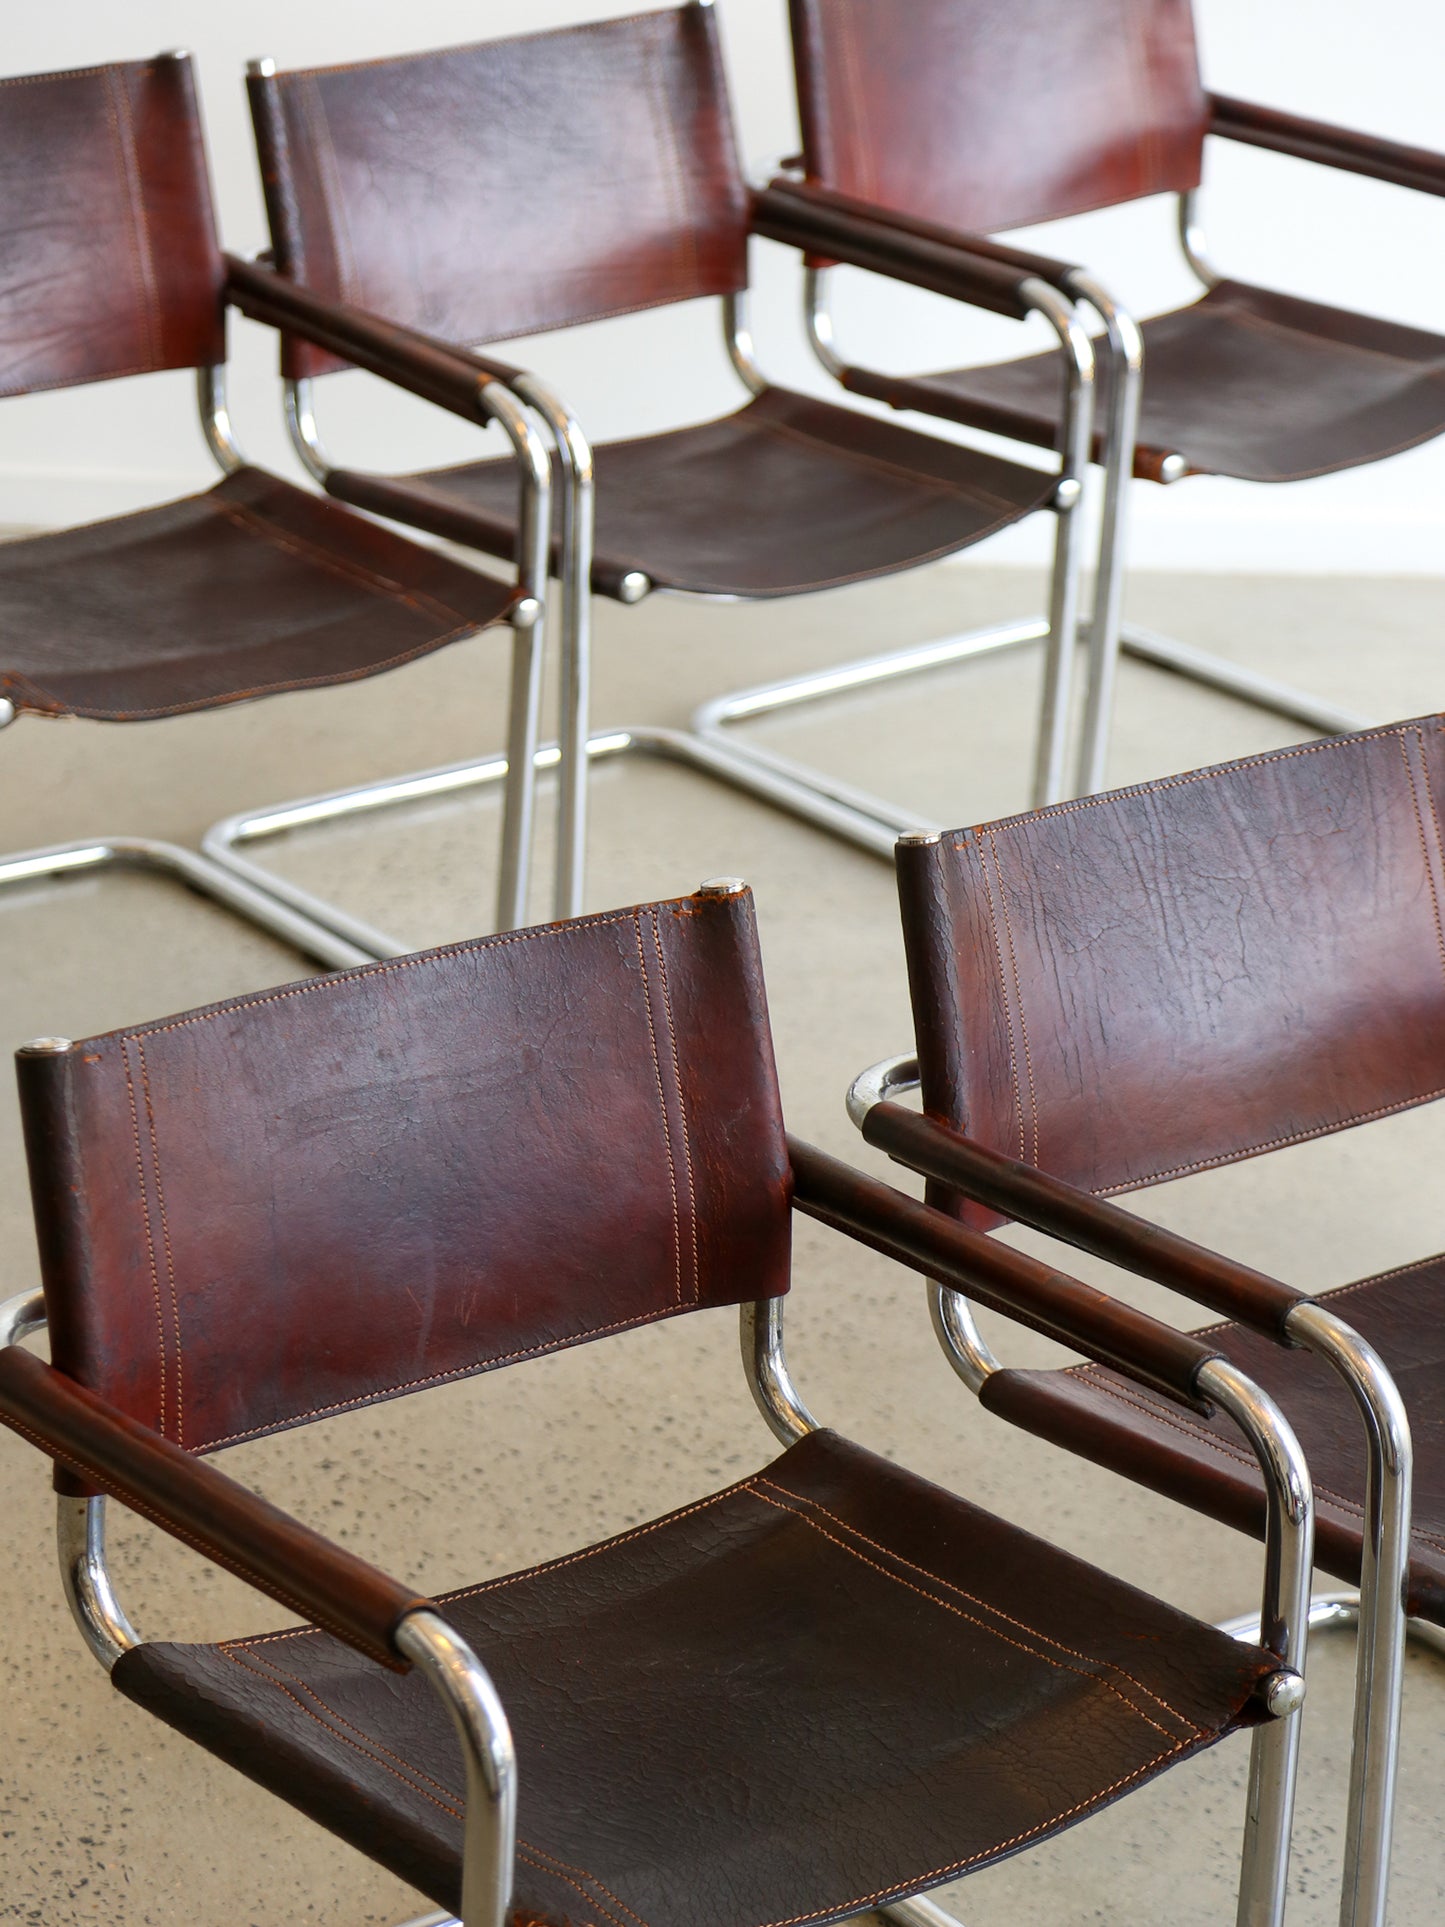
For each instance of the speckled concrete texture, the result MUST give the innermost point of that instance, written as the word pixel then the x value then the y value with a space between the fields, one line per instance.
pixel 105 1816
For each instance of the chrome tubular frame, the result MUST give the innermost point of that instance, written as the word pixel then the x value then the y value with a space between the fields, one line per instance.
pixel 1380 1659
pixel 1200 665
pixel 1284 1617
pixel 460 1680
pixel 1378 1608
pixel 1126 348
pixel 79 1523
pixel 574 454
pixel 867 820
pixel 216 419
pixel 518 769
pixel 766 1366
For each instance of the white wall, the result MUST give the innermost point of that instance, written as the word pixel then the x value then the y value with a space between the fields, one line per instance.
pixel 98 450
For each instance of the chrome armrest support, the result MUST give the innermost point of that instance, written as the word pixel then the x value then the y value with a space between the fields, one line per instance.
pixel 818 319
pixel 462 1683
pixel 1284 1629
pixel 20 1316
pixel 766 1366
pixel 738 336
pixel 1192 239
pixel 300 403
pixel 85 1577
pixel 216 419
pixel 964 1345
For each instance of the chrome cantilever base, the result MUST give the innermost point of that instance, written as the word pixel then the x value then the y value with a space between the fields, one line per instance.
pixel 1336 1612
pixel 313 938
pixel 859 819
pixel 712 720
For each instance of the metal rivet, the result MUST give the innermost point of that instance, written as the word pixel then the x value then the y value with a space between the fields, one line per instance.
pixel 1068 492
pixel 919 839
pixel 45 1047
pixel 1284 1693
pixel 263 69
pixel 526 613
pixel 1173 468
pixel 7 711
pixel 722 887
pixel 634 586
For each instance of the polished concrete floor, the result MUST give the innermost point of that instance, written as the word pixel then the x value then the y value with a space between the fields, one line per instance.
pixel 105 1816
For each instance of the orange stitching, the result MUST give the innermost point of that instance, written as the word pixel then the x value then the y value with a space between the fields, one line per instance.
pixel 166 1242
pixel 1013 1061
pixel 470 1369
pixel 557 1861
pixel 1420 824
pixel 1018 997
pixel 1059 1665
pixel 313 985
pixel 146 1219
pixel 974 492
pixel 662 1106
pixel 682 1110
pixel 591 1552
pixel 370 1748
pixel 1090 1659
pixel 999 1847
pixel 244 515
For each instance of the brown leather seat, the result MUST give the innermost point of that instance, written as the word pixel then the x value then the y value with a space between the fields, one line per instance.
pixel 785 496
pixel 829 1684
pixel 250 589
pixel 841 1638
pixel 1168 978
pixel 1244 382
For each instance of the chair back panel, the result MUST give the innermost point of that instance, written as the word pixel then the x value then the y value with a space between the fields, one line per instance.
pixel 1137 985
pixel 511 186
pixel 109 261
pixel 286 1205
pixel 991 114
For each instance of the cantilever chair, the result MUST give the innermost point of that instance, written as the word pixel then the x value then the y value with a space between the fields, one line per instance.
pixel 1174 977
pixel 473 1201
pixel 442 190
pixel 110 266
pixel 961 116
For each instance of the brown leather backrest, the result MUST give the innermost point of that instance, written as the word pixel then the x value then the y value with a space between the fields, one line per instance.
pixel 1137 985
pixel 511 186
pixel 109 261
pixel 309 1199
pixel 990 114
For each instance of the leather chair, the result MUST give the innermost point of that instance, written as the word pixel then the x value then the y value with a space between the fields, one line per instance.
pixel 473 1201
pixel 545 181
pixel 110 266
pixel 1169 978
pixel 961 117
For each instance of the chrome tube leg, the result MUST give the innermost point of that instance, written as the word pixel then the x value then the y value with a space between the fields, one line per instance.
pixel 1284 1618
pixel 534 535
pixel 1126 348
pixel 575 621
pixel 1380 1656
pixel 1078 438
pixel 489 1842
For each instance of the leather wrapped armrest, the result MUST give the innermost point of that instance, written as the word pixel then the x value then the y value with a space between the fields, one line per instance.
pixel 1041 267
pixel 1317 140
pixel 1032 1197
pixel 448 376
pixel 832 228
pixel 1031 1293
pixel 204 1509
